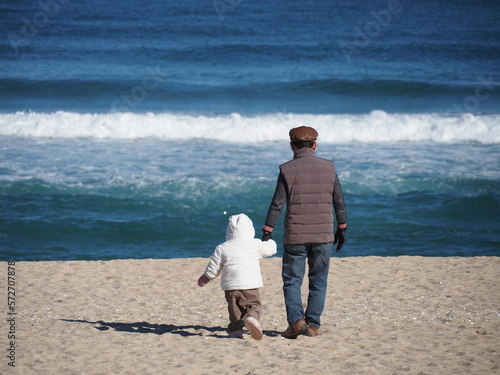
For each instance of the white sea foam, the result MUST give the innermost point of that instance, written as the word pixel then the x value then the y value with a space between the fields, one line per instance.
pixel 377 126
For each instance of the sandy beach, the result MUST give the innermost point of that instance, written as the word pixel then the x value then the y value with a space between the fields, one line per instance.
pixel 400 315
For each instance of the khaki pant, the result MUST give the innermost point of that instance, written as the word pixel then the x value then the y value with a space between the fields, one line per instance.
pixel 242 304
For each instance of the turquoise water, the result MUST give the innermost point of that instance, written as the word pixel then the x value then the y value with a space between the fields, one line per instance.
pixel 153 199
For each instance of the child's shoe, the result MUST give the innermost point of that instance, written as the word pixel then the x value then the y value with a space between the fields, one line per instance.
pixel 236 334
pixel 253 326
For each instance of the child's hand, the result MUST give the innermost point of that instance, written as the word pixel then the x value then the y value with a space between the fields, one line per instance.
pixel 203 280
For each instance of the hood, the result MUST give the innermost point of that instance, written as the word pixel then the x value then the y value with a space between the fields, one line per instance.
pixel 239 226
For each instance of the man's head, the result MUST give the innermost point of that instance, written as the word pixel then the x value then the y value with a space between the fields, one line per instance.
pixel 303 136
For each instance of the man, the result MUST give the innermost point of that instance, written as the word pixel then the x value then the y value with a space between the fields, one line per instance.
pixel 309 186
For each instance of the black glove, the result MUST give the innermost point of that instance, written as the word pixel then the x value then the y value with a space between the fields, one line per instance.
pixel 340 237
pixel 266 235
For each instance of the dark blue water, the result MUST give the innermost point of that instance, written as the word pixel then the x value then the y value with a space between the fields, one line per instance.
pixel 225 56
pixel 134 129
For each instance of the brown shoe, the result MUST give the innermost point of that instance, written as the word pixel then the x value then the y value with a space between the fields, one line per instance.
pixel 295 329
pixel 312 331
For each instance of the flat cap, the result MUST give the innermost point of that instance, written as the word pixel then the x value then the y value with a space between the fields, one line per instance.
pixel 303 133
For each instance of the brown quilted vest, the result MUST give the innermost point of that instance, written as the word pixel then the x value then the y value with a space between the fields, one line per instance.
pixel 309 180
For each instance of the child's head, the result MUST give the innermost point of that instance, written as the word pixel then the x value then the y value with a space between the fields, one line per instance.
pixel 239 226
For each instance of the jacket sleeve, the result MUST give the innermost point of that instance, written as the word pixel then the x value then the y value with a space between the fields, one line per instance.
pixel 338 202
pixel 267 248
pixel 277 203
pixel 215 264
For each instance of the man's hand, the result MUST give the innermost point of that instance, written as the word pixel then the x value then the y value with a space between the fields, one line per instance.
pixel 266 235
pixel 340 237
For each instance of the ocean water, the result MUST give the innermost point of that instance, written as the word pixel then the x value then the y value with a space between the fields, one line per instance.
pixel 134 129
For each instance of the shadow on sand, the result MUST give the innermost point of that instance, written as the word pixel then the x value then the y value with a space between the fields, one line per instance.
pixel 160 329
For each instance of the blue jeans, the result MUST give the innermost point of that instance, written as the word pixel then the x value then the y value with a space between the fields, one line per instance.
pixel 294 267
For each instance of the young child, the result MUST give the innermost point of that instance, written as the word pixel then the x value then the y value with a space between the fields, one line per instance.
pixel 238 261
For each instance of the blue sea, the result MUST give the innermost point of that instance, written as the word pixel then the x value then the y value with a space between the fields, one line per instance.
pixel 134 129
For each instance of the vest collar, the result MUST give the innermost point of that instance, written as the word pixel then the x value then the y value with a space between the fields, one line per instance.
pixel 303 152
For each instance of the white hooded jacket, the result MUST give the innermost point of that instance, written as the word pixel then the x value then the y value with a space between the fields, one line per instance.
pixel 238 258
